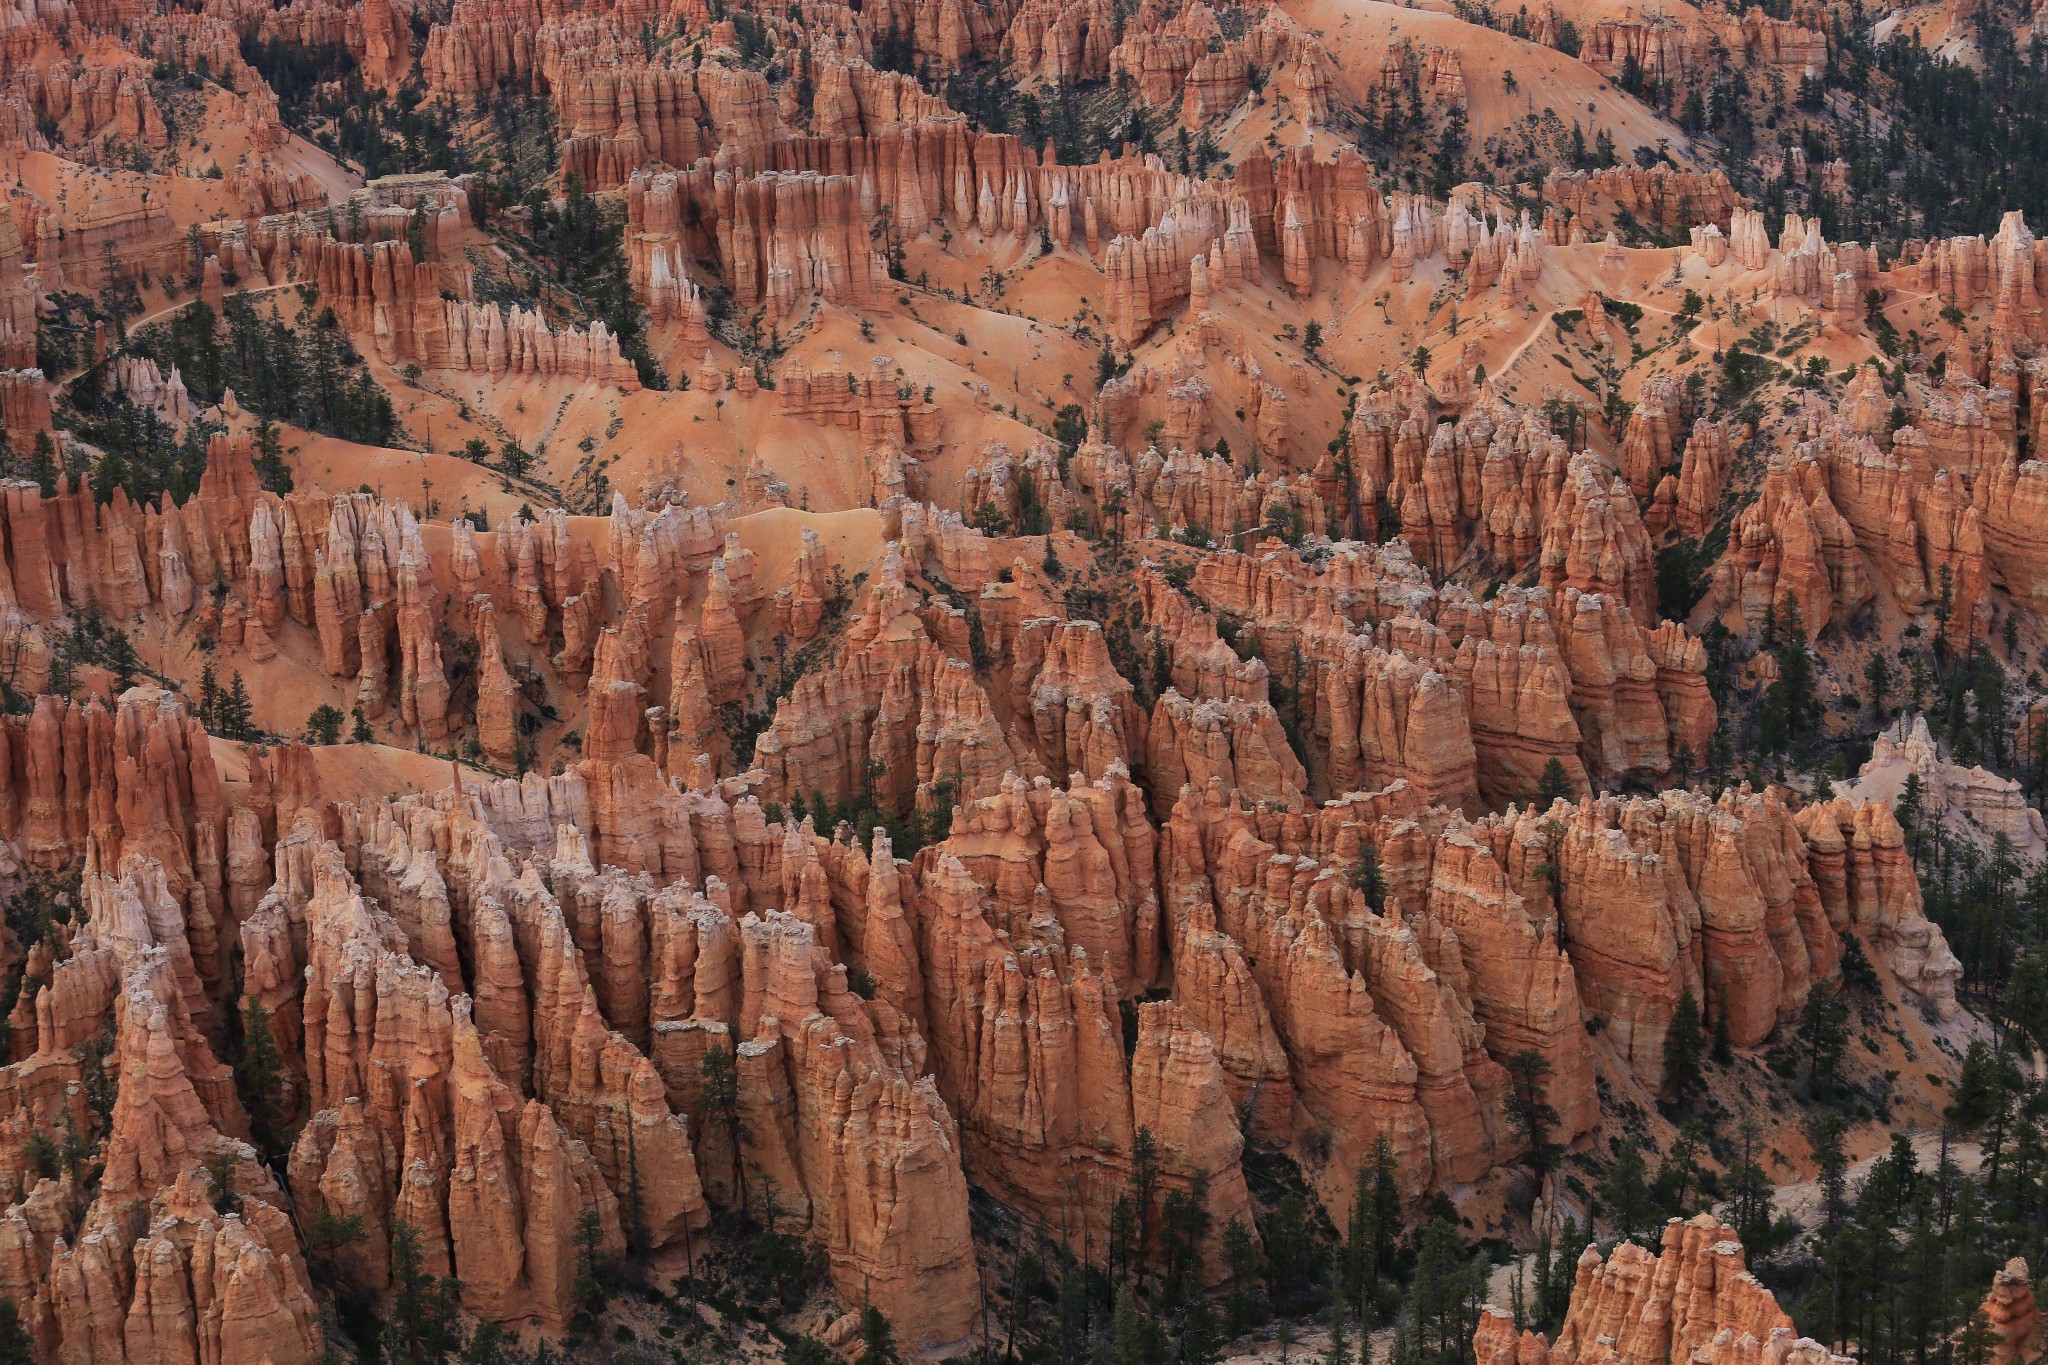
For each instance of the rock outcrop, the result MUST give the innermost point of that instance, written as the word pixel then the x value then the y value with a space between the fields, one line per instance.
pixel 1695 1299
pixel 403 305
pixel 2012 1314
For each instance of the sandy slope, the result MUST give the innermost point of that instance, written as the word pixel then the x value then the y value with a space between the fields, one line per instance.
pixel 852 538
pixel 355 772
pixel 1358 32
pixel 447 482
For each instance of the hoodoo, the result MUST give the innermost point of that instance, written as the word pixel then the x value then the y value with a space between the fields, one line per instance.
pixel 1022 680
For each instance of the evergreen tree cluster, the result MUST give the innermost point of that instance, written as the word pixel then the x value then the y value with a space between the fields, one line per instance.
pixel 42 900
pixel 41 467
pixel 322 96
pixel 1993 908
pixel 226 711
pixel 64 334
pixel 864 812
pixel 295 71
pixel 583 243
pixel 1899 1265
pixel 1957 145
pixel 1140 1300
pixel 1791 711
pixel 1972 707
pixel 91 641
pixel 139 453
pixel 306 372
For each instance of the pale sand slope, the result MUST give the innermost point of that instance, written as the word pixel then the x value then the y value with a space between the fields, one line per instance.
pixel 1358 33
pixel 354 772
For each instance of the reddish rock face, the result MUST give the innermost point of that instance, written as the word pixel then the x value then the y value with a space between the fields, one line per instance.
pixel 2010 1309
pixel 1205 671
pixel 495 1002
pixel 380 290
pixel 1695 1298
pixel 1499 688
pixel 592 997
pixel 547 1059
pixel 174 1132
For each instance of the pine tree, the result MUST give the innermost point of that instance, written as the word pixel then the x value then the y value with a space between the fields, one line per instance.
pixel 1684 1051
pixel 1244 1307
pixel 42 464
pixel 16 1346
pixel 1554 785
pixel 423 1325
pixel 1824 1034
pixel 1551 869
pixel 62 679
pixel 877 1338
pixel 1292 1263
pixel 1894 1182
pixel 635 1208
pixel 1123 1238
pixel 240 708
pixel 1184 1224
pixel 1144 1179
pixel 491 1344
pixel 1790 709
pixel 1386 1207
pixel 1338 1351
pixel 259 1072
pixel 359 731
pixel 1748 1185
pixel 1978 1343
pixel 1401 1351
pixel 1201 1337
pixel 1910 809
pixel 1370 1230
pixel 120 660
pixel 272 473
pixel 1831 1162
pixel 1623 1192
pixel 1679 1174
pixel 327 1232
pixel 1437 1294
pixel 220 1173
pixel 1529 1106
pixel 323 726
pixel 232 717
pixel 1986 1078
pixel 1369 878
pixel 1878 674
pixel 1073 1307
pixel 1789 644
pixel 209 697
pixel 722 1103
pixel 514 460
pixel 1357 1262
pixel 591 1267
pixel 117 292
pixel 1724 1046
pixel 1556 1296
pixel 1137 1338
pixel 1928 1307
